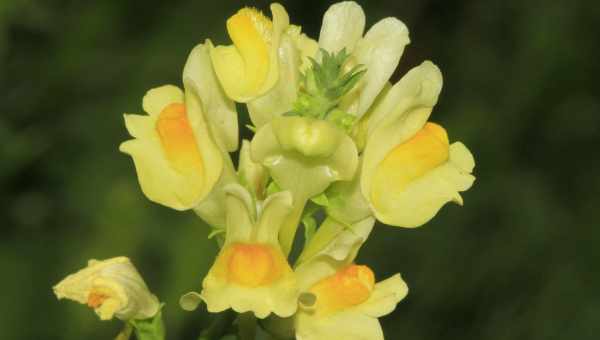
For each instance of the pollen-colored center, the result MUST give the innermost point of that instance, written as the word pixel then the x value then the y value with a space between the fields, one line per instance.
pixel 349 287
pixel 96 299
pixel 252 265
pixel 426 150
pixel 178 140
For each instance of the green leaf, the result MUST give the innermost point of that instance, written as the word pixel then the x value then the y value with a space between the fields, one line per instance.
pixel 324 84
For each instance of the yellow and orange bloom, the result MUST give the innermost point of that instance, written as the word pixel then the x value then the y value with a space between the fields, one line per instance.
pixel 250 67
pixel 339 299
pixel 112 288
pixel 178 147
pixel 250 274
pixel 410 169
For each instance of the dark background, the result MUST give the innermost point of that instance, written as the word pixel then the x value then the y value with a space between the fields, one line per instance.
pixel 518 261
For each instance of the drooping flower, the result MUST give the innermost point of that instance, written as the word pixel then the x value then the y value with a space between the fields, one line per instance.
pixel 339 299
pixel 250 67
pixel 250 273
pixel 409 168
pixel 177 147
pixel 111 287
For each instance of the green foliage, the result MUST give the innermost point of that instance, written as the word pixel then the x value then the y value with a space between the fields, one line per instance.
pixel 323 85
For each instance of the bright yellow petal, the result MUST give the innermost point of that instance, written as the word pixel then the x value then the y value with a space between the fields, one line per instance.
pixel 249 67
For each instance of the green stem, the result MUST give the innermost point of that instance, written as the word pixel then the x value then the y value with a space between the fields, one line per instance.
pixel 218 327
pixel 247 326
pixel 149 329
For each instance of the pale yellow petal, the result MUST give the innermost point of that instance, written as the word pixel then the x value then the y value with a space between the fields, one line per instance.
pixel 379 51
pixel 140 126
pixel 343 25
pixel 240 215
pixel 158 98
pixel 350 325
pixel 385 297
pixel 400 115
pixel 274 211
pixel 413 204
pixel 281 97
pixel 333 246
pixel 219 111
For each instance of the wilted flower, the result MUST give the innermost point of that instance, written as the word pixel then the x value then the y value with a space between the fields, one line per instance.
pixel 111 287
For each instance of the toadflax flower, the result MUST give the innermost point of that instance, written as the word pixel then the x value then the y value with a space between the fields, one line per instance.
pixel 250 273
pixel 340 299
pixel 409 168
pixel 111 287
pixel 250 67
pixel 177 147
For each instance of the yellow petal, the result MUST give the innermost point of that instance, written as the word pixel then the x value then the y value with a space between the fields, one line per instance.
pixel 398 116
pixel 343 25
pixel 250 273
pixel 249 68
pixel 219 111
pixel 176 161
pixel 418 177
pixel 349 287
pixel 158 98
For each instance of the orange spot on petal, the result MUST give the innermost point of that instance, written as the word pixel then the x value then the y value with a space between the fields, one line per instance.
pixel 253 265
pixel 349 287
pixel 178 140
pixel 96 299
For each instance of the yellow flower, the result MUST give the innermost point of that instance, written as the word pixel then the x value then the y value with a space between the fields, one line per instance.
pixel 176 157
pixel 379 50
pixel 303 155
pixel 250 273
pixel 295 51
pixel 409 169
pixel 249 67
pixel 339 299
pixel 111 287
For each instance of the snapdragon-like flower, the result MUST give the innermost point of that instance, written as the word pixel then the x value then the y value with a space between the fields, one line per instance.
pixel 111 287
pixel 250 273
pixel 341 300
pixel 177 147
pixel 409 169
pixel 250 67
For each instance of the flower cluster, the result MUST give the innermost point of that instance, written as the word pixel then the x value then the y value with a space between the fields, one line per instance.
pixel 336 147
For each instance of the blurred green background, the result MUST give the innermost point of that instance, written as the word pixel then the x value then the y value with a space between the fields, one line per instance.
pixel 518 261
